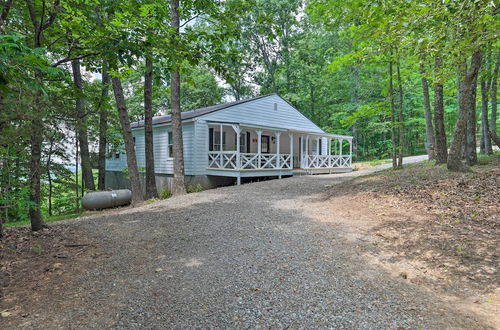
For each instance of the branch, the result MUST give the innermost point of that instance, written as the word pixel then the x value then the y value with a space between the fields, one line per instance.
pixel 69 59
pixel 52 15
pixel 32 12
pixel 189 20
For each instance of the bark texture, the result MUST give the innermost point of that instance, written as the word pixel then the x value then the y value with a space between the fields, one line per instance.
pixel 429 129
pixel 401 121
pixel 178 186
pixel 151 191
pixel 493 121
pixel 441 150
pixel 103 129
pixel 459 135
pixel 485 136
pixel 471 141
pixel 128 139
pixel 393 118
pixel 81 125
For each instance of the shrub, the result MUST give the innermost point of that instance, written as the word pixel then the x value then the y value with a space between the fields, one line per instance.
pixel 165 193
pixel 195 188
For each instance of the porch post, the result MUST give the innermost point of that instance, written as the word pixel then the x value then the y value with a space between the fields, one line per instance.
pixel 318 152
pixel 291 150
pixel 277 134
pixel 221 157
pixel 340 151
pixel 238 131
pixel 350 153
pixel 259 147
pixel 307 152
pixel 301 153
pixel 329 152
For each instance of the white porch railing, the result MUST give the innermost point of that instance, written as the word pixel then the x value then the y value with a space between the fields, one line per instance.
pixel 248 161
pixel 222 159
pixel 325 161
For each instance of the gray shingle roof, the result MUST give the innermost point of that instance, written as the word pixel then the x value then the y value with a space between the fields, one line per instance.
pixel 196 113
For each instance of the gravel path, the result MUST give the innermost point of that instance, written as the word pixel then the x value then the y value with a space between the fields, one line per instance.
pixel 245 256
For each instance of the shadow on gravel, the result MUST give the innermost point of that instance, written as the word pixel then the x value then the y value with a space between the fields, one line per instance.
pixel 230 258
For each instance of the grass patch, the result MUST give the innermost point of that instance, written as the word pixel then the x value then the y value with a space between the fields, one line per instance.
pixel 48 219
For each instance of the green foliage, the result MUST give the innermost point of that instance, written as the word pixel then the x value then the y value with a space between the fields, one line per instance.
pixel 165 193
pixel 194 188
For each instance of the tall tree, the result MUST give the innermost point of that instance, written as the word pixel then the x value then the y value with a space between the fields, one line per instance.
pixel 178 186
pixel 429 128
pixel 128 140
pixel 81 125
pixel 471 144
pixel 493 121
pixel 103 129
pixel 441 145
pixel 467 85
pixel 151 191
pixel 41 21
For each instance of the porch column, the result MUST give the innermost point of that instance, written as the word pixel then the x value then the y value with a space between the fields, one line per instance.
pixel 350 153
pixel 277 134
pixel 237 130
pixel 259 147
pixel 318 152
pixel 341 160
pixel 301 151
pixel 307 152
pixel 329 152
pixel 291 150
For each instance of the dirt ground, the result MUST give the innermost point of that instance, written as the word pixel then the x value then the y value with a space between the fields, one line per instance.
pixel 38 265
pixel 432 227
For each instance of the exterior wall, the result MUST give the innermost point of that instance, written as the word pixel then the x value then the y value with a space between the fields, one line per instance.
pixel 118 180
pixel 264 113
pixel 163 161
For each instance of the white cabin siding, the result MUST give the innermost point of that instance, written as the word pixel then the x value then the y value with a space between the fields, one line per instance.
pixel 264 113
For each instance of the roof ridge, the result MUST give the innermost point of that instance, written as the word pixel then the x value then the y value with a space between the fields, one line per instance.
pixel 199 111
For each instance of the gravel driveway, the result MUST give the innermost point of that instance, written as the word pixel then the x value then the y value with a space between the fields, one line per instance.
pixel 246 256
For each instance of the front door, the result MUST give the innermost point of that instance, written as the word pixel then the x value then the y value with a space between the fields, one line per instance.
pixel 264 144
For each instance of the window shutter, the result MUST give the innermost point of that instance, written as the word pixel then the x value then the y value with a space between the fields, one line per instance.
pixel 248 142
pixel 211 139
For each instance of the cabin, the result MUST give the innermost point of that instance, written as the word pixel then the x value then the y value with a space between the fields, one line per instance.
pixel 224 144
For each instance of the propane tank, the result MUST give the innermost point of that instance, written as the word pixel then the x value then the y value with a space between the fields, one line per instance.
pixel 106 199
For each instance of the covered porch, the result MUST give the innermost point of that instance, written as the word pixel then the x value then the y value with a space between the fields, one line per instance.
pixel 242 150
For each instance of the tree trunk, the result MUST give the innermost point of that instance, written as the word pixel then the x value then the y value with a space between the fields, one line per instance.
pixel 81 124
pixel 393 118
pixel 441 150
pixel 466 89
pixel 355 101
pixel 49 175
pixel 178 186
pixel 471 143
pixel 151 191
pixel 128 139
pixel 493 121
pixel 77 200
pixel 429 129
pixel 35 170
pixel 401 122
pixel 485 137
pixel 103 129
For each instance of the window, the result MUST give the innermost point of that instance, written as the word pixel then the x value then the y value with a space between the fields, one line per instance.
pixel 214 140
pixel 117 155
pixel 170 145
